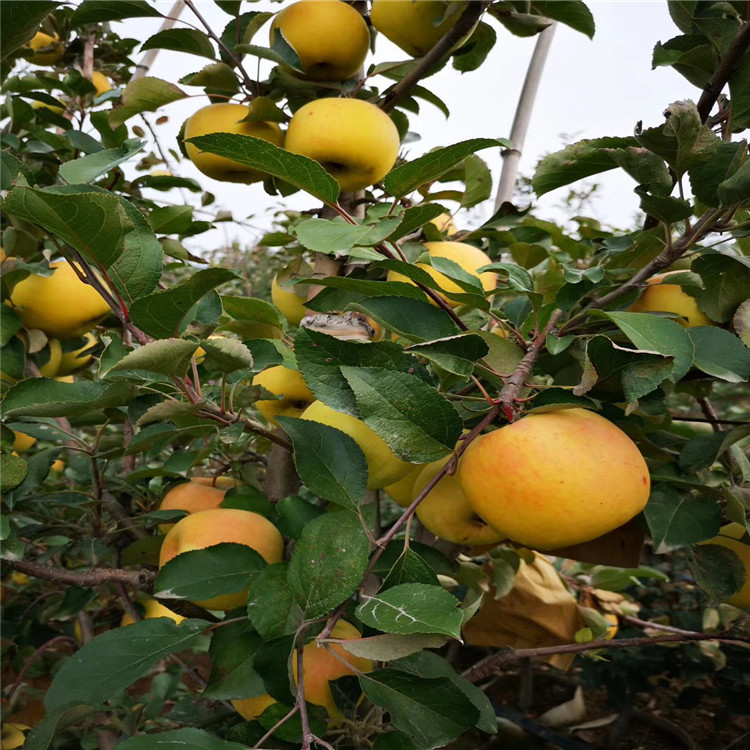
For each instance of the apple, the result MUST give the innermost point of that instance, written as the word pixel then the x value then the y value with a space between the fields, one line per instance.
pixel 191 496
pixel 290 385
pixel 101 82
pixel 383 466
pixel 50 107
pixel 252 708
pixel 445 224
pixel 152 609
pixel 330 38
pixel 320 666
pixel 75 357
pixel 614 625
pixel 206 528
pixel 22 442
pixel 447 513
pixel 289 299
pixel 223 482
pixel 58 466
pixel 49 358
pixel 658 297
pixel 12 735
pixel 48 49
pixel 734 537
pixel 555 479
pixel 416 26
pixel 470 258
pixel 353 140
pixel 228 118
pixel 61 305
pixel 402 491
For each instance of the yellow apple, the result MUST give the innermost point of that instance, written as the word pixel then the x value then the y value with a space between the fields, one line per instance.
pixel 383 466
pixel 252 708
pixel 319 667
pixel 228 118
pixel 290 385
pixel 152 609
pixel 61 305
pixel 75 357
pixel 191 496
pixel 556 478
pixel 290 299
pixel 206 528
pixel 614 625
pixel 48 49
pixel 447 513
pixel 20 579
pixel 415 26
pixel 22 442
pixel 402 491
pixel 445 224
pixel 330 38
pixel 65 379
pixel 731 537
pixel 50 107
pixel 658 297
pixel 12 735
pixel 355 141
pixel 101 82
pixel 58 466
pixel 223 482
pixel 470 258
pixel 49 358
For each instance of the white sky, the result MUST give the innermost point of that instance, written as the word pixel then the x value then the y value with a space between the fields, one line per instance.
pixel 590 88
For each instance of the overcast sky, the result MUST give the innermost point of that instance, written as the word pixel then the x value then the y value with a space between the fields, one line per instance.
pixel 590 88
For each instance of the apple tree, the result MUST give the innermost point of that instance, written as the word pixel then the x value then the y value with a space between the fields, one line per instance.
pixel 313 492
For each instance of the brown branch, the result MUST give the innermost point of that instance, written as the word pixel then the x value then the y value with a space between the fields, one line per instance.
pixel 728 65
pixel 44 647
pixel 468 19
pixel 492 663
pixel 140 579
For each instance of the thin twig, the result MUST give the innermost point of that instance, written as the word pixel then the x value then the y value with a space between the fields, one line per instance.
pixel 27 664
pixel 654 625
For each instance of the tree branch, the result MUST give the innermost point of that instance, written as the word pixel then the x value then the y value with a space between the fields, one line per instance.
pixel 492 663
pixel 467 20
pixel 721 75
pixel 140 579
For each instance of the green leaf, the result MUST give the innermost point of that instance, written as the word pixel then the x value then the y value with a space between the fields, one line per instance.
pixel 388 646
pixel 112 661
pixel 145 94
pixel 89 168
pixel 184 739
pixel 99 11
pixel 226 355
pixel 320 356
pixel 726 280
pixel 690 55
pixel 11 168
pixel 294 513
pixel 408 177
pixel 702 451
pixel 329 462
pixel 415 217
pixel 19 21
pixel 678 520
pixel 656 334
pixel 619 579
pixel 166 313
pixel 720 353
pixel 707 176
pixel 192 41
pixel 271 606
pixel 53 722
pixel 666 209
pixel 739 84
pixel 43 397
pixel 418 424
pixel 457 354
pixel 328 563
pixel 573 13
pixel 430 710
pixel 217 77
pixel 474 51
pixel 201 574
pixel 574 162
pixel 718 571
pixel 165 357
pixel 13 471
pixel 413 608
pixel 411 318
pixel 735 189
pixel 232 675
pixel 171 219
pixel 338 237
pixel 518 278
pixel 647 169
pixel 94 223
pixel 297 170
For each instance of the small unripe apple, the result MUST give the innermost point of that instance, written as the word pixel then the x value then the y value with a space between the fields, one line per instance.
pixel 290 385
pixel 734 537
pixel 468 257
pixel 658 297
pixel 61 305
pixel 383 466
pixel 207 528
pixel 228 118
pixel 446 511
pixel 320 666
pixel 355 141
pixel 310 26
pixel 555 479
